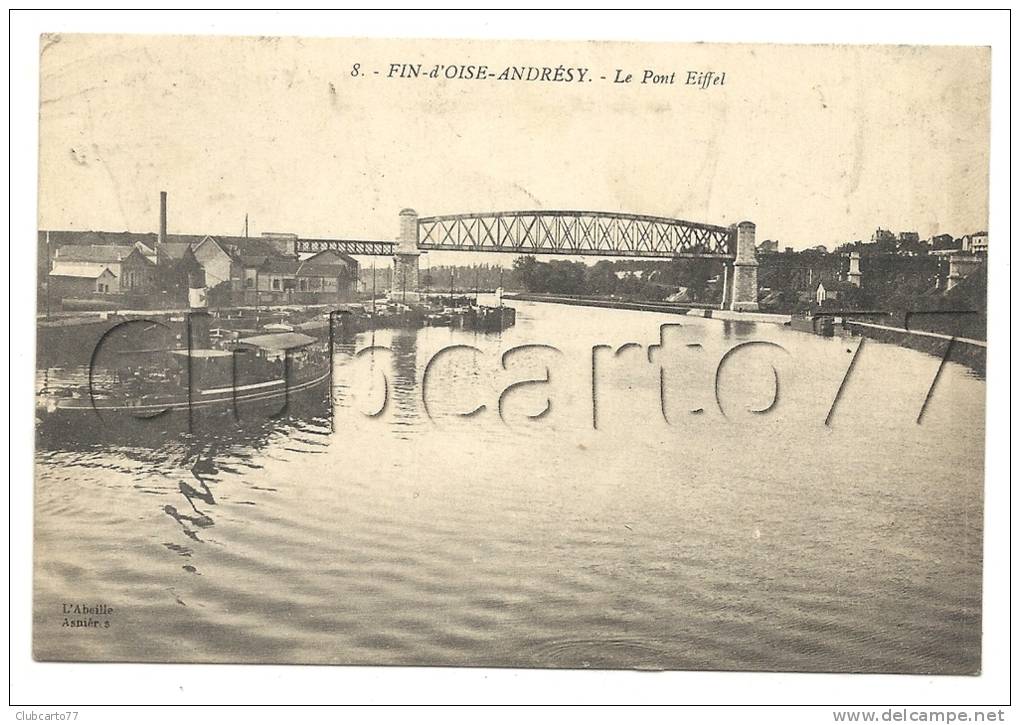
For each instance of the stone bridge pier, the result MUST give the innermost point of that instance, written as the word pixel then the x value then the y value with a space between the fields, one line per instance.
pixel 743 292
pixel 405 259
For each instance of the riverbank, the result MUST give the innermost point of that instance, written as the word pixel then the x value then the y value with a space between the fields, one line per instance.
pixel 673 308
pixel 966 351
pixel 963 350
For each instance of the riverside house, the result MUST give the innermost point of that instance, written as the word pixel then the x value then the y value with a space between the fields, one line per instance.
pixel 244 270
pixel 132 270
pixel 78 280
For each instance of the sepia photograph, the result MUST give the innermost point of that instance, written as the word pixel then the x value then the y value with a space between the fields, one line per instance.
pixel 491 353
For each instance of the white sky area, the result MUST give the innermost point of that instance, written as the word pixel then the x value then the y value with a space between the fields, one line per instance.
pixel 815 144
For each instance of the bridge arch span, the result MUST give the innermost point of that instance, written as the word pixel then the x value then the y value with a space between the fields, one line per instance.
pixel 566 232
pixel 576 232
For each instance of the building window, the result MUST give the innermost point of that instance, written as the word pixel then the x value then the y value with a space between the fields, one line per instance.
pixel 276 283
pixel 249 282
pixel 303 285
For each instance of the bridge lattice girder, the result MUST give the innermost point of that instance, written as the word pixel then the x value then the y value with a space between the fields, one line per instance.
pixel 575 233
pixel 582 233
pixel 364 247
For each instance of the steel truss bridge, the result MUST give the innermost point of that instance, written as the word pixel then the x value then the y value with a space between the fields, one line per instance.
pixel 348 246
pixel 580 233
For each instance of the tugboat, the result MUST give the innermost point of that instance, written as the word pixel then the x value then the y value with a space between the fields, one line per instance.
pixel 250 379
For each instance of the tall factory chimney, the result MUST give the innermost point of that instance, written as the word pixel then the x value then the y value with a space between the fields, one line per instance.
pixel 162 218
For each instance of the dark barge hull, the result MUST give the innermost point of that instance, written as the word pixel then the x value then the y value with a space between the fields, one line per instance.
pixel 84 419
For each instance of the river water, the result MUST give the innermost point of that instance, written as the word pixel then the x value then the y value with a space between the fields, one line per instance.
pixel 649 520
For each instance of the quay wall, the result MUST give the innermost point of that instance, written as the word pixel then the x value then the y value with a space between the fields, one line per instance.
pixel 966 351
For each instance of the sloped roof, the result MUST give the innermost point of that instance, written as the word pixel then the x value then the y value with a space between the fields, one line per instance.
pixel 173 250
pixel 838 285
pixel 284 265
pixel 319 257
pixel 177 249
pixel 249 246
pixel 216 242
pixel 253 260
pixel 94 252
pixel 59 238
pixel 83 270
pixel 320 270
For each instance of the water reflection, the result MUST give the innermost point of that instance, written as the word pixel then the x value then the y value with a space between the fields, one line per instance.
pixel 747 541
pixel 404 344
pixel 738 329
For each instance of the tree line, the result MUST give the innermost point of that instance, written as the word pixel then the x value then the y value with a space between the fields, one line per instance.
pixel 699 279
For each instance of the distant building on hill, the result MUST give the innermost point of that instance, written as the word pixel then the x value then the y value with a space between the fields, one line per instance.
pixel 834 290
pixel 882 235
pixel 976 243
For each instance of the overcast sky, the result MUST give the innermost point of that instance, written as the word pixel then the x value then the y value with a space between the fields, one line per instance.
pixel 815 144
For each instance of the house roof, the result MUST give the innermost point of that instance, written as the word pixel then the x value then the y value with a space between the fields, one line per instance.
pixel 320 270
pixel 252 260
pixel 207 240
pixel 321 257
pixel 252 246
pixel 838 285
pixel 82 270
pixel 173 250
pixel 280 265
pixel 177 249
pixel 59 238
pixel 107 253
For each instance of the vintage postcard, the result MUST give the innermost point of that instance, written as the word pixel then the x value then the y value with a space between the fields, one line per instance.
pixel 511 354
